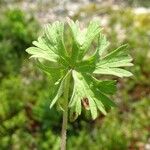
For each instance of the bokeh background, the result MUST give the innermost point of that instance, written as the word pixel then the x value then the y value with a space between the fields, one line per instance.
pixel 27 123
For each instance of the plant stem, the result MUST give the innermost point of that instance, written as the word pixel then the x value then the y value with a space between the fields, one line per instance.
pixel 64 130
pixel 65 114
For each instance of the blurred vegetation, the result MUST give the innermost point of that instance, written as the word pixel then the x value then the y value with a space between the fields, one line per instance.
pixel 145 3
pixel 17 30
pixel 26 122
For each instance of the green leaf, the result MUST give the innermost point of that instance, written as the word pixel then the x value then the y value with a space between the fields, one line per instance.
pixel 100 106
pixel 84 90
pixel 100 91
pixel 78 106
pixel 89 64
pixel 102 44
pixel 59 91
pixel 61 104
pixel 82 39
pixel 53 70
pixel 73 115
pixel 113 71
pixel 110 63
pixel 117 58
pixel 107 86
pixel 107 102
pixel 93 107
pixel 50 46
pixel 40 53
pixel 54 38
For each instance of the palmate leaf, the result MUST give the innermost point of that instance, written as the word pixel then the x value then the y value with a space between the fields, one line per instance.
pixel 60 63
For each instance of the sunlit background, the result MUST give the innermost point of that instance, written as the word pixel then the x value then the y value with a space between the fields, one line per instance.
pixel 27 123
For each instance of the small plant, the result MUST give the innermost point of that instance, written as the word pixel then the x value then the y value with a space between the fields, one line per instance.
pixel 76 68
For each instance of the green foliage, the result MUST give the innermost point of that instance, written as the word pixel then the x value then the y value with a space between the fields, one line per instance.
pixel 28 92
pixel 50 47
pixel 138 3
pixel 16 33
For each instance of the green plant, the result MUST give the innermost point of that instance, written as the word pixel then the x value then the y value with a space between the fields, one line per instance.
pixel 16 34
pixel 75 69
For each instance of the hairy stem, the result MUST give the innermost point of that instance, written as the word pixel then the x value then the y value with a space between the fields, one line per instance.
pixel 65 114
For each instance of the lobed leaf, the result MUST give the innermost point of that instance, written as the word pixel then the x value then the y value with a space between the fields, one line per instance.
pixel 87 91
pixel 84 87
pixel 82 39
pixel 110 63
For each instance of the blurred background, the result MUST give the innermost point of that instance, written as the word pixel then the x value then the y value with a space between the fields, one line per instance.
pixel 27 123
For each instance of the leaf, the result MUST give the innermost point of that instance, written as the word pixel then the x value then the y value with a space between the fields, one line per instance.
pixel 100 106
pixel 59 91
pixel 107 86
pixel 53 70
pixel 78 106
pixel 73 115
pixel 107 102
pixel 82 89
pixel 92 31
pixel 93 107
pixel 89 64
pixel 102 44
pixel 99 90
pixel 86 92
pixel 61 104
pixel 110 63
pixel 54 38
pixel 39 53
pixel 50 46
pixel 113 71
pixel 82 39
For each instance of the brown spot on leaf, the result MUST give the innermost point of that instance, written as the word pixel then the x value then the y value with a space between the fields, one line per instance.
pixel 85 103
